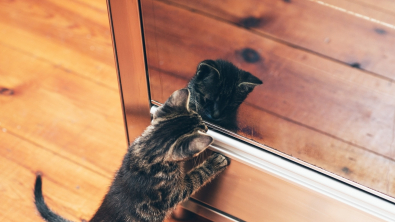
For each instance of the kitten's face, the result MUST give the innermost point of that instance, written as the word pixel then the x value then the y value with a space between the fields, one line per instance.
pixel 220 88
pixel 182 128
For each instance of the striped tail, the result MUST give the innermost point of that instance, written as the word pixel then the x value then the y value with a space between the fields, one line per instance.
pixel 42 208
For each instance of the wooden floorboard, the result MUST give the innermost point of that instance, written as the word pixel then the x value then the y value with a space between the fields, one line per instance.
pixel 61 37
pixel 60 111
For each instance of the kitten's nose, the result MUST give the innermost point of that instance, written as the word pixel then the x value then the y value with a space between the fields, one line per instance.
pixel 216 114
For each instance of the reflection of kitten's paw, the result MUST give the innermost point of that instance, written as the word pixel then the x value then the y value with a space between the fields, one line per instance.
pixel 219 161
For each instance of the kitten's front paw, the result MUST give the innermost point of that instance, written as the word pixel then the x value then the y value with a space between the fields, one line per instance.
pixel 219 161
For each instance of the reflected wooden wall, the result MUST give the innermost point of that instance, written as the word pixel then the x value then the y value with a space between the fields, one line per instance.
pixel 328 96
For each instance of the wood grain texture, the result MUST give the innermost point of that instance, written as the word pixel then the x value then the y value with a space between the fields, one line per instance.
pixel 316 109
pixel 60 107
pixel 331 29
pixel 61 115
pixel 382 5
pixel 61 37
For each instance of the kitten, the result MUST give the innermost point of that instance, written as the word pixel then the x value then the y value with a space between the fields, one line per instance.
pixel 151 180
pixel 217 90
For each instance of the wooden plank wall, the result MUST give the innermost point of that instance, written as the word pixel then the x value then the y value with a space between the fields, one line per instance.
pixel 328 96
pixel 60 110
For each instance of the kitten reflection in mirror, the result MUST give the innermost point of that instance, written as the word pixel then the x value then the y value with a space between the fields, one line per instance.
pixel 217 90
pixel 151 180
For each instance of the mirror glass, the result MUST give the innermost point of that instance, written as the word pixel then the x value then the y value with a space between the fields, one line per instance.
pixel 327 70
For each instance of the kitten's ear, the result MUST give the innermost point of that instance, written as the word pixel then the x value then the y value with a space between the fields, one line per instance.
pixel 179 99
pixel 191 146
pixel 207 68
pixel 199 142
pixel 249 81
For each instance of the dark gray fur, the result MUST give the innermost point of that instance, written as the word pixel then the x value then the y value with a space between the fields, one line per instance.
pixel 217 90
pixel 151 181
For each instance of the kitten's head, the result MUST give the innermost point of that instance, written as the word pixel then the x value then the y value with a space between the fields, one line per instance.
pixel 219 87
pixel 181 129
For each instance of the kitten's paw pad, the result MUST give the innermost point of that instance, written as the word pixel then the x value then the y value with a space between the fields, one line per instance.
pixel 219 160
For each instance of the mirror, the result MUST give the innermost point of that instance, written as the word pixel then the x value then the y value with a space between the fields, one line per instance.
pixel 327 68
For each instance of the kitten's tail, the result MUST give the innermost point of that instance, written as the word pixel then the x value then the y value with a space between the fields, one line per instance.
pixel 42 208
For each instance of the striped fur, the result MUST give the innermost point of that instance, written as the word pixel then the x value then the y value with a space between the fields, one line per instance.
pixel 151 181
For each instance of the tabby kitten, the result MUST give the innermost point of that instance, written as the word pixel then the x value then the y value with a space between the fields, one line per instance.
pixel 217 90
pixel 151 180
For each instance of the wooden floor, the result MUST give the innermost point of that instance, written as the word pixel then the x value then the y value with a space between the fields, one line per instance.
pixel 328 72
pixel 60 110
